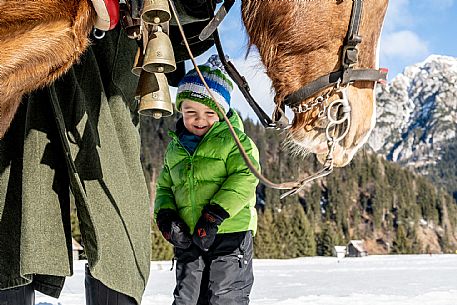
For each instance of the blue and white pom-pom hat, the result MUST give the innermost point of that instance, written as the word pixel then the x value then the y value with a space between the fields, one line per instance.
pixel 191 86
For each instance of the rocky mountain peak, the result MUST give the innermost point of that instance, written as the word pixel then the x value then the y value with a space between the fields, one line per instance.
pixel 417 112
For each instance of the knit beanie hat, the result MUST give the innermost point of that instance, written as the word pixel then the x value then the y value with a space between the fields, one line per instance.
pixel 191 86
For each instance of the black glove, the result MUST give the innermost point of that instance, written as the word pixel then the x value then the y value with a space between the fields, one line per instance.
pixel 207 225
pixel 173 228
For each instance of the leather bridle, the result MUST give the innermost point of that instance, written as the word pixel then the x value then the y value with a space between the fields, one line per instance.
pixel 347 73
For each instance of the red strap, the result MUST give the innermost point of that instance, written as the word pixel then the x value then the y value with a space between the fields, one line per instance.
pixel 107 14
pixel 383 71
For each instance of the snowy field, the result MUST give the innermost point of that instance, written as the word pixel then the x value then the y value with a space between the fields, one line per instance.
pixel 372 280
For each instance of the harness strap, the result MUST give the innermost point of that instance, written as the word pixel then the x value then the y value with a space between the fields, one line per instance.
pixel 217 19
pixel 135 7
pixel 240 80
pixel 349 58
pixel 342 76
pixel 242 85
pixel 356 19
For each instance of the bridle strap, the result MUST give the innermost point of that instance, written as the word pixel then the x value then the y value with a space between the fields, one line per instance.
pixel 342 76
pixel 356 19
pixel 242 84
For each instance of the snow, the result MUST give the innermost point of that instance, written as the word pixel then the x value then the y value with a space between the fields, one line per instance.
pixel 371 280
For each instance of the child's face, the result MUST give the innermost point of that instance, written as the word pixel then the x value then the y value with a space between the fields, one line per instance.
pixel 198 118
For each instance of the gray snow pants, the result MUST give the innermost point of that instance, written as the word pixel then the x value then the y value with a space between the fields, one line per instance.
pixel 221 276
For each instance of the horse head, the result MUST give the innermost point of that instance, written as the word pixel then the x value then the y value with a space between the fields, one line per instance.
pixel 298 42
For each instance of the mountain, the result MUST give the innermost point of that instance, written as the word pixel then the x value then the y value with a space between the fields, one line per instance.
pixel 417 119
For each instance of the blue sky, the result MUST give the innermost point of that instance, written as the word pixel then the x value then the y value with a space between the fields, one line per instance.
pixel 413 30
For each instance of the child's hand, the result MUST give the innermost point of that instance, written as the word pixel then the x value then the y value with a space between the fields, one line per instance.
pixel 205 230
pixel 173 229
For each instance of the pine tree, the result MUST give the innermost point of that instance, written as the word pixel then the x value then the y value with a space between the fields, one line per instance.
pixel 302 233
pixel 265 246
pixel 327 240
pixel 401 243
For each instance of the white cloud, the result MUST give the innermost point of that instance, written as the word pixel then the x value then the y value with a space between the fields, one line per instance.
pixel 403 44
pixel 398 15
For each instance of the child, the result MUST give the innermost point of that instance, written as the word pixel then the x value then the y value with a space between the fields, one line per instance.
pixel 205 195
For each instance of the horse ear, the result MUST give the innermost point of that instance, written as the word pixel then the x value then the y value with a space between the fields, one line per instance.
pixel 107 14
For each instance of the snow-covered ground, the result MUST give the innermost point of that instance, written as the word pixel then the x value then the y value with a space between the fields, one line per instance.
pixel 372 280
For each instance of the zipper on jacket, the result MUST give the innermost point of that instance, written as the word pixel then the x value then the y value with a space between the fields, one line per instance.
pixel 190 173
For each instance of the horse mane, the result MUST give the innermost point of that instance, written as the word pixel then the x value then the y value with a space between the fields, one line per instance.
pixel 40 41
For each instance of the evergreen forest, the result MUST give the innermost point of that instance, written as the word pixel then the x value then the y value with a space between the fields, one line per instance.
pixel 392 209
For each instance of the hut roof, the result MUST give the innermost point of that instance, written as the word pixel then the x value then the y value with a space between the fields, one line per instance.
pixel 358 244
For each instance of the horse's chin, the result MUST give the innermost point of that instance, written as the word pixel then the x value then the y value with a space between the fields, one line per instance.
pixel 341 156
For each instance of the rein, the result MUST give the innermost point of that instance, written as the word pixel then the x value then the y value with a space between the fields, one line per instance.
pixel 338 112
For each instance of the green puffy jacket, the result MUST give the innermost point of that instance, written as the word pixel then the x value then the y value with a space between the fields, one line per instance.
pixel 216 173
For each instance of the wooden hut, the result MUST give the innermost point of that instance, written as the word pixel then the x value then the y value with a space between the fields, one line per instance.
pixel 356 248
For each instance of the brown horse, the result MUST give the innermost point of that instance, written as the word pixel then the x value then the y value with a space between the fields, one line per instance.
pixel 298 42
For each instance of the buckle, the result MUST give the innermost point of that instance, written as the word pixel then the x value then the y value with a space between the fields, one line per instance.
pixel 350 56
pixel 350 51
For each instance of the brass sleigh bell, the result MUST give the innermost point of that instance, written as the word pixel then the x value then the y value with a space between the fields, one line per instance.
pixel 154 95
pixel 159 56
pixel 156 11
